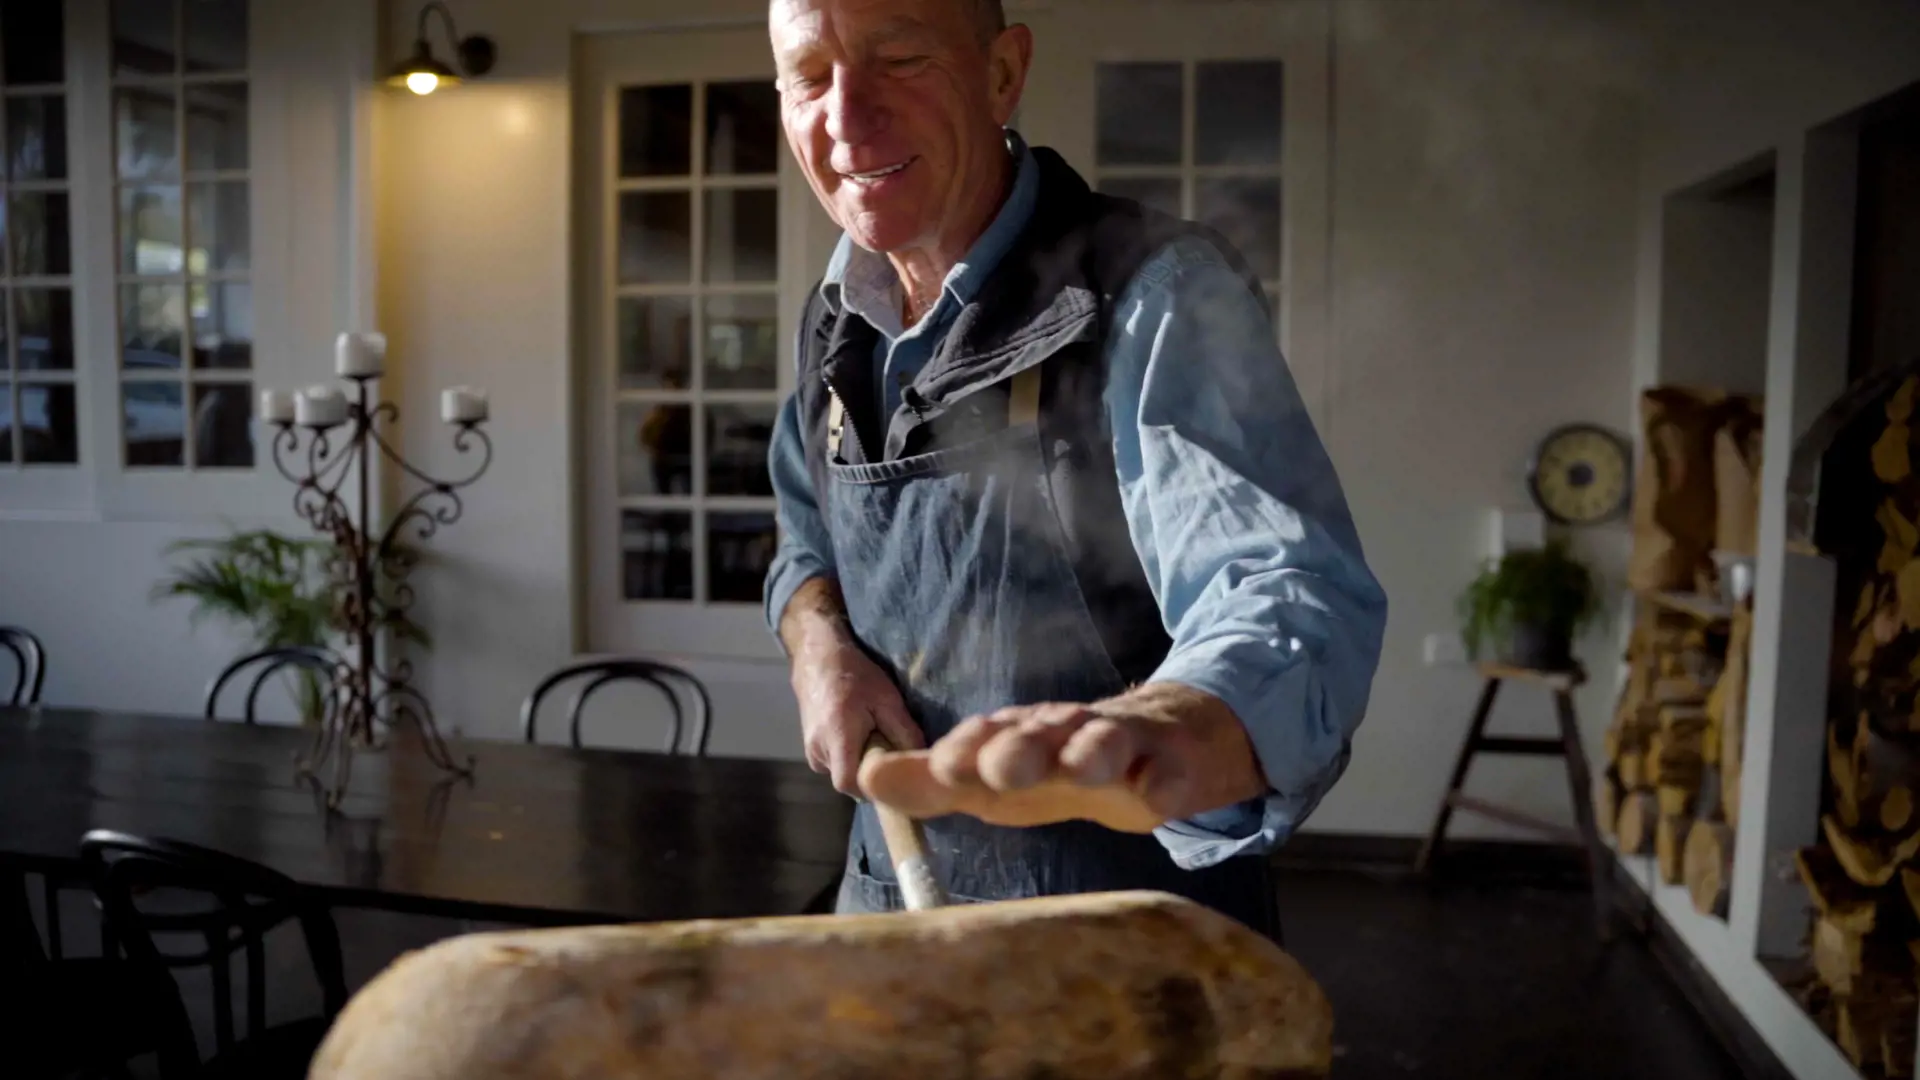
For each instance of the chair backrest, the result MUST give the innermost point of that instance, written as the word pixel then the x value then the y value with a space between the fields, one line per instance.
pixel 140 883
pixel 598 673
pixel 30 657
pixel 268 662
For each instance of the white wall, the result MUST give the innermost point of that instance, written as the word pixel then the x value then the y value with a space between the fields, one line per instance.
pixel 82 587
pixel 1483 188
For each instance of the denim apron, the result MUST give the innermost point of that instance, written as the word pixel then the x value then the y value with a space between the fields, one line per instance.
pixel 957 579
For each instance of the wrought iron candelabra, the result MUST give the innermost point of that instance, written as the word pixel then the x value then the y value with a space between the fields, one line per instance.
pixel 368 698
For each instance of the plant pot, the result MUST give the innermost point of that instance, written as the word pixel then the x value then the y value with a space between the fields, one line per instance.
pixel 1540 647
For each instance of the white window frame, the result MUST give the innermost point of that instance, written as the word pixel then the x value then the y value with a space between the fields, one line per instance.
pixel 1188 172
pixel 699 503
pixel 311 70
pixel 1060 109
pixel 185 180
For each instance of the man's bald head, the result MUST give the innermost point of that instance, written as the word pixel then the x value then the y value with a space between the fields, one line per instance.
pixel 990 16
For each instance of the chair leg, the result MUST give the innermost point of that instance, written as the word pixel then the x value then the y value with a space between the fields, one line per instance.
pixel 1599 864
pixel 1431 849
pixel 55 947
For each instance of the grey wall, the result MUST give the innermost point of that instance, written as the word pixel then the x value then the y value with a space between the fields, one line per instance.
pixel 1483 192
pixel 1717 267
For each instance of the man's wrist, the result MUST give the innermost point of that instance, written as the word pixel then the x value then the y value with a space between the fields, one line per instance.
pixel 1225 769
pixel 815 620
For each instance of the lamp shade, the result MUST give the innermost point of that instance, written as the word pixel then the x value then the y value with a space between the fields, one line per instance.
pixel 422 73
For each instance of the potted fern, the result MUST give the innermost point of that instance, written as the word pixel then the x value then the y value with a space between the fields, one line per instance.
pixel 1526 607
pixel 283 591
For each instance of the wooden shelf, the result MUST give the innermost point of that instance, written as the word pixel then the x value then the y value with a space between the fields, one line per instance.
pixel 1707 609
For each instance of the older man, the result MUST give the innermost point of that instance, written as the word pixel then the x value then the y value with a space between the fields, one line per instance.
pixel 1055 522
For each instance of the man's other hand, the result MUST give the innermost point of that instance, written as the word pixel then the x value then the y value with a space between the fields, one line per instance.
pixel 844 697
pixel 1132 763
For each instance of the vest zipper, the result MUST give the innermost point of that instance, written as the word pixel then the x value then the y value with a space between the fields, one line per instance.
pixel 848 425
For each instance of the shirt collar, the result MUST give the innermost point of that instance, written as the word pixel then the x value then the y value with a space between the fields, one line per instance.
pixel 866 281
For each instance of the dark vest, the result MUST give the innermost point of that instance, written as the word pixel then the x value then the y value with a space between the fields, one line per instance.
pixel 1049 301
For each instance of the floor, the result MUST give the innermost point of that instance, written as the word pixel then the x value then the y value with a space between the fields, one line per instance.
pixel 1482 981
pixel 1450 980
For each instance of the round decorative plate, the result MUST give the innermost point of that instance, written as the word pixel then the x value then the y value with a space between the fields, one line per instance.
pixel 1582 474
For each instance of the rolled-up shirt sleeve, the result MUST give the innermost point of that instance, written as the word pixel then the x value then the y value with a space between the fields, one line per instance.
pixel 805 549
pixel 1236 513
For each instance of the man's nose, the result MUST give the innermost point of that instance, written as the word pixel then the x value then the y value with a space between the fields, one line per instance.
pixel 855 111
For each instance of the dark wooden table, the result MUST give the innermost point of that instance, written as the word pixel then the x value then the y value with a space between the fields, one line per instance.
pixel 541 835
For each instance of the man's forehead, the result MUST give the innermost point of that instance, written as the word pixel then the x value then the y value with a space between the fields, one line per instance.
pixel 797 23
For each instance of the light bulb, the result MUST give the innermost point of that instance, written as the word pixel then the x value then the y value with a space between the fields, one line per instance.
pixel 422 82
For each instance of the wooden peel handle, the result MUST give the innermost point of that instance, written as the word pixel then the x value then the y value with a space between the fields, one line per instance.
pixel 906 845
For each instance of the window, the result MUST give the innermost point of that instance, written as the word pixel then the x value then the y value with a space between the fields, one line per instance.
pixel 695 313
pixel 39 415
pixel 185 300
pixel 1200 140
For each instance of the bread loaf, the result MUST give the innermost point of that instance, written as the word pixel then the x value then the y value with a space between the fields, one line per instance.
pixel 1115 986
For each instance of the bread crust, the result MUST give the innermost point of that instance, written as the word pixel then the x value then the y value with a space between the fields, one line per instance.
pixel 1113 986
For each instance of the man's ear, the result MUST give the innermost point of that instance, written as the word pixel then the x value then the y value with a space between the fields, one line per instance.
pixel 1007 61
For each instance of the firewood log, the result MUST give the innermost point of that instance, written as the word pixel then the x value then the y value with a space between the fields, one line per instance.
pixel 1910 884
pixel 1632 767
pixel 1896 809
pixel 1606 802
pixel 1675 761
pixel 1638 812
pixel 1108 985
pixel 1707 866
pixel 1858 1033
pixel 1624 739
pixel 1676 800
pixel 1842 901
pixel 1868 860
pixel 1896 1049
pixel 1681 720
pixel 1859 965
pixel 1679 689
pixel 1732 717
pixel 1844 772
pixel 1669 840
pixel 1865 1018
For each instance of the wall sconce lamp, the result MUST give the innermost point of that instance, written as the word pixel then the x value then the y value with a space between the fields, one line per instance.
pixel 423 73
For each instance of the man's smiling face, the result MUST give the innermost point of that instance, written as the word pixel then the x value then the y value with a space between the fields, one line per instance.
pixel 894 110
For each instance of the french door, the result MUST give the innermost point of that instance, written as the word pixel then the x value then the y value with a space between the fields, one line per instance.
pixel 699 239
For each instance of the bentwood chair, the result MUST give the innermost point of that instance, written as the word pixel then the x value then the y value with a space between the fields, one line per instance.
pixel 157 892
pixel 267 663
pixel 598 673
pixel 30 660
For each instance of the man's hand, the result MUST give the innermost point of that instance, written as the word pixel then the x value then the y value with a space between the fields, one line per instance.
pixel 844 696
pixel 1158 753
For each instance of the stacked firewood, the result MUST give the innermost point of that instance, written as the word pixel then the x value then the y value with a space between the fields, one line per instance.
pixel 1672 782
pixel 1863 876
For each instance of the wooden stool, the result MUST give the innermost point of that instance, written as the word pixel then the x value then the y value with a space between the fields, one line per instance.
pixel 1568 745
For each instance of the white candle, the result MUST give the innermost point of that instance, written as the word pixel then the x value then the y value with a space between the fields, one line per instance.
pixel 359 355
pixel 276 407
pixel 320 407
pixel 463 405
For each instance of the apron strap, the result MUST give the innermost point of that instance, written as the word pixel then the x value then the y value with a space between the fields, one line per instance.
pixel 1023 398
pixel 1023 407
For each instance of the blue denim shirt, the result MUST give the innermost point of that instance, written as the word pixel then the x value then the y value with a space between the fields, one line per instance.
pixel 1232 505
